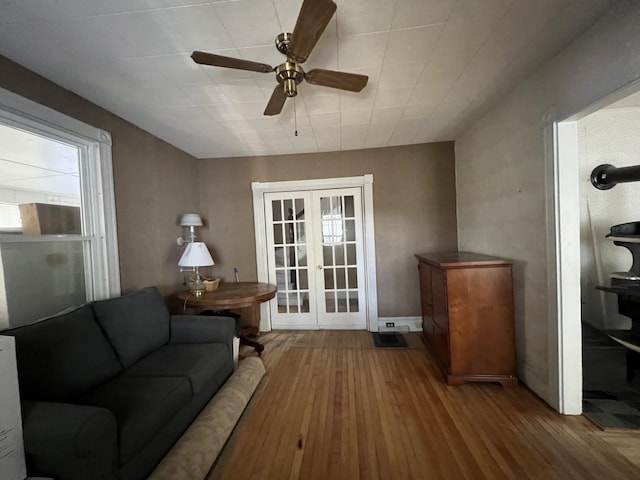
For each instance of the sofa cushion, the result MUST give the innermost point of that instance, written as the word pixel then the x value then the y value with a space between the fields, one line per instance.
pixel 66 441
pixel 135 324
pixel 201 363
pixel 61 357
pixel 141 405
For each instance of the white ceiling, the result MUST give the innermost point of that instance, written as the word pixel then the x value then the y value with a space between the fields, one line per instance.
pixel 433 65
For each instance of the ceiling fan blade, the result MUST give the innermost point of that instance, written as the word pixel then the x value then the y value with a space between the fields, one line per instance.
pixel 205 58
pixel 330 78
pixel 276 102
pixel 312 20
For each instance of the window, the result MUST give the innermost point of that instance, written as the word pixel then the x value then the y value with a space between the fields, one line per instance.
pixel 10 221
pixel 57 212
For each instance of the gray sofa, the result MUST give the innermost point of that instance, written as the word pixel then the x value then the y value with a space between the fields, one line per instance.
pixel 108 387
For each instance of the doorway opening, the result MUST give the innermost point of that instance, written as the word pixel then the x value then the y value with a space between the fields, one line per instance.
pixel 598 376
pixel 611 341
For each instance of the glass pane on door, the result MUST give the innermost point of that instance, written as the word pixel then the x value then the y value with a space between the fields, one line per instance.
pixel 290 252
pixel 339 253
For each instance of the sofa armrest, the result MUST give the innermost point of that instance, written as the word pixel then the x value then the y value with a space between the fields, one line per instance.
pixel 68 441
pixel 202 329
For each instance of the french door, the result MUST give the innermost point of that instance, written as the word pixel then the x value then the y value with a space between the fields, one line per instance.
pixel 315 256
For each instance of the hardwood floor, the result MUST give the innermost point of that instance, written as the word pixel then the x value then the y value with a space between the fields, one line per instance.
pixel 333 406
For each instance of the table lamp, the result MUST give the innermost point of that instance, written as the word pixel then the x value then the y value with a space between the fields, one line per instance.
pixel 196 255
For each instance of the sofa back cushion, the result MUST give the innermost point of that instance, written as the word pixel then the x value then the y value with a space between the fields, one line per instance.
pixel 62 357
pixel 135 324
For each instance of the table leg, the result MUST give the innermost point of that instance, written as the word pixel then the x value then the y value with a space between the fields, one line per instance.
pixel 250 326
pixel 245 340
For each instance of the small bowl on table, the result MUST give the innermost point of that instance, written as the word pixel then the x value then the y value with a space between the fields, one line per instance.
pixel 211 284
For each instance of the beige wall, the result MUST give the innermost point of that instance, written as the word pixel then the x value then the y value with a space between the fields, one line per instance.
pixel 414 205
pixel 500 172
pixel 154 182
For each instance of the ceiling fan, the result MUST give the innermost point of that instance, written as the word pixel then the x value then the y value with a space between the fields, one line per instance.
pixel 312 20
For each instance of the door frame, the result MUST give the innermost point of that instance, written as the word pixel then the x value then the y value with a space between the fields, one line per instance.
pixel 365 182
pixel 563 260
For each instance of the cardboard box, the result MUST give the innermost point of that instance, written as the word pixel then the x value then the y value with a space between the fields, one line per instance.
pixel 46 219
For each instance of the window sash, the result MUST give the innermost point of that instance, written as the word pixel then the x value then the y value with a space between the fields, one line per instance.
pixel 96 183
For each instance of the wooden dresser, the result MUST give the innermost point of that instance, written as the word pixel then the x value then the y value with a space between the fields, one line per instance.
pixel 467 316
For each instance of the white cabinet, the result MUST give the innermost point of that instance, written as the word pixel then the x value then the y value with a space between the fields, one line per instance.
pixel 12 466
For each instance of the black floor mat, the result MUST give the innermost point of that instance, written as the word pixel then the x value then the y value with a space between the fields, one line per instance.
pixel 388 339
pixel 612 410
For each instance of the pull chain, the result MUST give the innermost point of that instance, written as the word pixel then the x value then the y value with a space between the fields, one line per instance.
pixel 295 118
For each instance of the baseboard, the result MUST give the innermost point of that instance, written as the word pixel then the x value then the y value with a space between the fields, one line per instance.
pixel 291 326
pixel 411 324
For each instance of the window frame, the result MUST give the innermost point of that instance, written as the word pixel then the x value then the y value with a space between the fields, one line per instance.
pixel 99 229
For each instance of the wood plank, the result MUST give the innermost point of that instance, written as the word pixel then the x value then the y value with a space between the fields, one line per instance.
pixel 365 412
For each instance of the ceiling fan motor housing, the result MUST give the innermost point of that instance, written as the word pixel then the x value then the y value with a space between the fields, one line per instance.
pixel 282 43
pixel 289 75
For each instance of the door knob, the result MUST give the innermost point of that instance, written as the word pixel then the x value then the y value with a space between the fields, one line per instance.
pixel 319 267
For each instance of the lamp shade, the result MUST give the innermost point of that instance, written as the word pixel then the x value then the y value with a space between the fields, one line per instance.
pixel 191 220
pixel 196 255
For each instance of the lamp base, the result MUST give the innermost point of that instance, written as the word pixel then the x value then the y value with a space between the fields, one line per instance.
pixel 196 286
